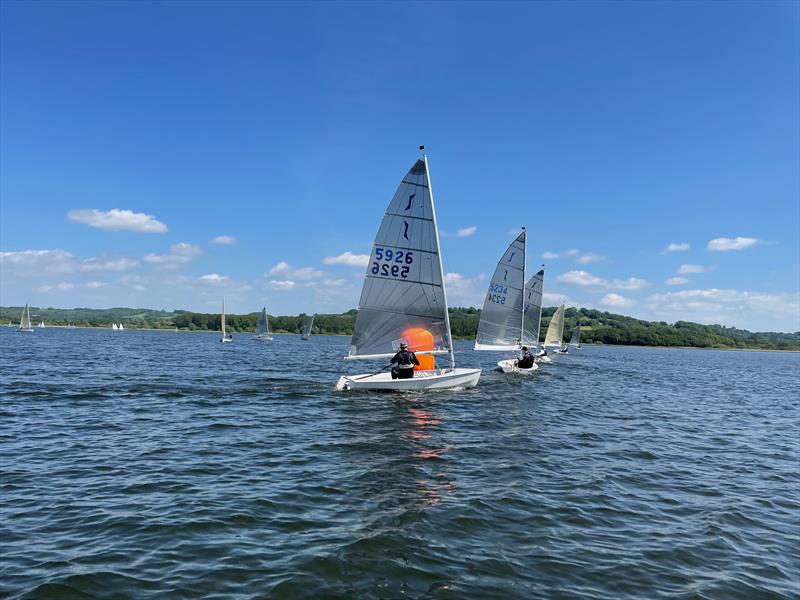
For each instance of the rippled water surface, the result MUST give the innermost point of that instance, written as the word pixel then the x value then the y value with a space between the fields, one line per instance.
pixel 160 464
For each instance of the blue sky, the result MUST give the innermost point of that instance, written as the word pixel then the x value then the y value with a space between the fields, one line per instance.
pixel 134 134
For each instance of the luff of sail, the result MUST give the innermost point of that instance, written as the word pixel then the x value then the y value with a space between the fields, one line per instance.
pixel 533 309
pixel 555 330
pixel 404 286
pixel 500 327
pixel 262 326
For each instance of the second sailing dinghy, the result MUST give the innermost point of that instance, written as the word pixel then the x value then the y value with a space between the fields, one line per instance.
pixel 262 327
pixel 575 340
pixel 404 298
pixel 25 321
pixel 226 337
pixel 555 330
pixel 307 330
pixel 503 316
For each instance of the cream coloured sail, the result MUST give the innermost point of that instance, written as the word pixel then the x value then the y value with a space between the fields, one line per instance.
pixel 533 309
pixel 501 324
pixel 404 286
pixel 555 331
pixel 307 330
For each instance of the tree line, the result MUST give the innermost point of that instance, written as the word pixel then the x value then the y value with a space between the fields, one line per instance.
pixel 597 327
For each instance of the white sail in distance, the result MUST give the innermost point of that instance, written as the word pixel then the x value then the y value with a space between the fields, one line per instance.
pixel 25 319
pixel 555 330
pixel 575 340
pixel 222 317
pixel 262 325
pixel 404 284
pixel 309 325
pixel 500 327
pixel 533 309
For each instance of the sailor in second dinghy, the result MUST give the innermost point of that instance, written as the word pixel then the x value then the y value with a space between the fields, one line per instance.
pixel 404 362
pixel 542 352
pixel 525 361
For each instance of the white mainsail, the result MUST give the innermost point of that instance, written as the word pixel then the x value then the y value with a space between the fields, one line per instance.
pixel 575 340
pixel 309 325
pixel 501 324
pixel 222 317
pixel 25 319
pixel 555 331
pixel 404 285
pixel 533 309
pixel 262 325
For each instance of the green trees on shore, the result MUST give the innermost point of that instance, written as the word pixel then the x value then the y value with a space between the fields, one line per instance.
pixel 596 326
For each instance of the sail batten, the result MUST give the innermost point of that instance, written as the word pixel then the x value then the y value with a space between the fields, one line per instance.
pixel 403 292
pixel 501 323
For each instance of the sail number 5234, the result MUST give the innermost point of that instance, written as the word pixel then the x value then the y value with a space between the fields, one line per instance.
pixel 392 263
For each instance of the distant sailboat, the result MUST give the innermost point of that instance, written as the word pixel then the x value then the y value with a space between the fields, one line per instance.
pixel 226 337
pixel 120 327
pixel 41 324
pixel 575 340
pixel 262 327
pixel 307 330
pixel 114 326
pixel 502 320
pixel 403 299
pixel 25 320
pixel 555 330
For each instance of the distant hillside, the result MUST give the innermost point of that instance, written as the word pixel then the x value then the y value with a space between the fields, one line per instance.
pixel 596 326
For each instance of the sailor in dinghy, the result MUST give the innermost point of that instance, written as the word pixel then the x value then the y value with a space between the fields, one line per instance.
pixel 403 300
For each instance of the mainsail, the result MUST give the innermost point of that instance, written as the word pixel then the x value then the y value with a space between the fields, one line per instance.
pixel 262 326
pixel 575 340
pixel 309 325
pixel 25 319
pixel 500 327
pixel 222 318
pixel 555 331
pixel 403 292
pixel 533 309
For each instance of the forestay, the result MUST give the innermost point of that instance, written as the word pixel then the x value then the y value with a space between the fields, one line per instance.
pixel 500 326
pixel 403 288
pixel 533 309
pixel 555 331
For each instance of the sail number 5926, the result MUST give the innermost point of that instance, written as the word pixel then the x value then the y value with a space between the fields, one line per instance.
pixel 392 263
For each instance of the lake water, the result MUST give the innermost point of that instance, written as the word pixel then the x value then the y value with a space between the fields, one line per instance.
pixel 168 465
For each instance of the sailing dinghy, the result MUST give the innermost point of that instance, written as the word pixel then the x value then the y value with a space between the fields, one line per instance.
pixel 575 340
pixel 403 298
pixel 226 337
pixel 503 316
pixel 25 321
pixel 262 327
pixel 307 330
pixel 555 330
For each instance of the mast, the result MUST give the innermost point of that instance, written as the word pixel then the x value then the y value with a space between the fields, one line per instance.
pixel 441 269
pixel 522 297
pixel 541 304
pixel 223 317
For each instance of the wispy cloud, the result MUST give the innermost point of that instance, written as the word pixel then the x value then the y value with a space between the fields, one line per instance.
pixel 585 278
pixel 284 269
pixel 589 257
pixel 580 258
pixel 224 240
pixel 213 278
pixel 33 263
pixel 348 259
pixel 676 247
pixel 616 301
pixel 689 269
pixel 117 220
pixel 724 244
pixel 676 281
pixel 179 254
pixel 281 285
pixel 466 231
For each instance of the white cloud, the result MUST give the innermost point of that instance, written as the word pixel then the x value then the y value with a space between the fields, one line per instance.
pixel 38 261
pixel 224 240
pixel 676 281
pixel 552 298
pixel 466 231
pixel 572 252
pixel 105 263
pixel 587 279
pixel 757 311
pixel 585 259
pixel 616 300
pixel 281 285
pixel 304 273
pixel 213 278
pixel 550 256
pixel 724 244
pixel 675 247
pixel 465 291
pixel 348 259
pixel 117 220
pixel 689 269
pixel 179 254
pixel 93 285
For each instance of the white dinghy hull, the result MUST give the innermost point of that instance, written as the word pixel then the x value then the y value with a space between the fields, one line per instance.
pixel 422 380
pixel 510 366
pixel 544 359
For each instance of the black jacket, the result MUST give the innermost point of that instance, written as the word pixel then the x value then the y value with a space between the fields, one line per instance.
pixel 405 358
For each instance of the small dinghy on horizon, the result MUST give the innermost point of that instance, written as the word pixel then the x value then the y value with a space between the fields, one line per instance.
pixel 307 330
pixel 262 327
pixel 25 321
pixel 226 338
